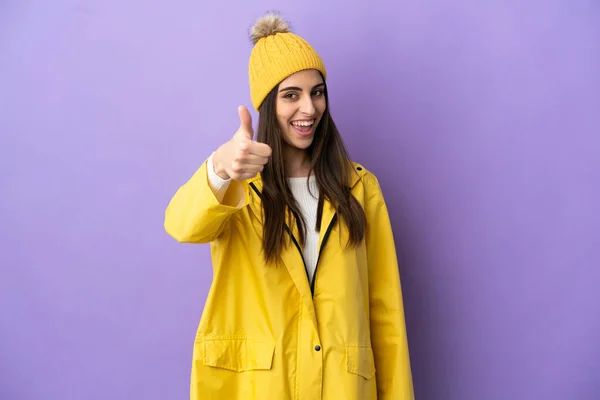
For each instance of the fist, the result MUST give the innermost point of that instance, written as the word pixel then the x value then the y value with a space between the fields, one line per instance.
pixel 241 157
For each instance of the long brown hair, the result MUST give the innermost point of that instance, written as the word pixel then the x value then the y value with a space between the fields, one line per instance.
pixel 332 167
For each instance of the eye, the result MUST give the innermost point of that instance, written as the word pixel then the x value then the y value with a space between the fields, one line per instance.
pixel 290 95
pixel 318 92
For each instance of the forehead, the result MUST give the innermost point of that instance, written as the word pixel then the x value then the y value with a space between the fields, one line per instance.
pixel 308 78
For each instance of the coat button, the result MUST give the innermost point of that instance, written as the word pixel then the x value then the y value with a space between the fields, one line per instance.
pixel 318 348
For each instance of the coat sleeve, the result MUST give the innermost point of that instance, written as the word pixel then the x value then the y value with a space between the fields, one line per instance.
pixel 196 215
pixel 388 328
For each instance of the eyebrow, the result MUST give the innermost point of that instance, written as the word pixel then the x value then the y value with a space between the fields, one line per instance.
pixel 299 89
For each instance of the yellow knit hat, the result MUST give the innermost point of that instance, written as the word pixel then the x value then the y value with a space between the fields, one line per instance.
pixel 277 54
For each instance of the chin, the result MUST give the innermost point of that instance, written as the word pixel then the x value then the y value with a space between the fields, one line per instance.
pixel 302 144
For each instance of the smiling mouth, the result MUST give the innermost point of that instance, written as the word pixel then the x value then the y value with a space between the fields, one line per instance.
pixel 303 127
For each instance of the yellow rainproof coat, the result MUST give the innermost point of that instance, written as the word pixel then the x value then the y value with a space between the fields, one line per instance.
pixel 267 332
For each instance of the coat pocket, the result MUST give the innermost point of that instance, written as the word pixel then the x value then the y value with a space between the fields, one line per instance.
pixel 360 361
pixel 239 354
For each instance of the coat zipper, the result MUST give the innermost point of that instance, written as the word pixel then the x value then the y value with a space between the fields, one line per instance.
pixel 295 241
pixel 287 228
pixel 325 237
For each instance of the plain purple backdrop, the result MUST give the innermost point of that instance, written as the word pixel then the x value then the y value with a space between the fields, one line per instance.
pixel 481 120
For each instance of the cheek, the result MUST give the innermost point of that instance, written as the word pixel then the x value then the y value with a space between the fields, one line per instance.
pixel 321 105
pixel 283 121
pixel 284 114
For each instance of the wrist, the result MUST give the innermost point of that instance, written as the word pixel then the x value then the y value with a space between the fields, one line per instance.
pixel 218 167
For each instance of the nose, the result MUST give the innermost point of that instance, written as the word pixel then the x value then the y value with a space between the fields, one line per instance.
pixel 307 107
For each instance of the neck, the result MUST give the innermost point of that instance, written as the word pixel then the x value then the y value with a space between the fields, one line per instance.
pixel 297 162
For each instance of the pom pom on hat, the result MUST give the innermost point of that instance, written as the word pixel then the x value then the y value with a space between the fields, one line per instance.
pixel 277 54
pixel 267 25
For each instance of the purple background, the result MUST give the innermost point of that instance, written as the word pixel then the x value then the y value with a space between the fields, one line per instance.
pixel 481 120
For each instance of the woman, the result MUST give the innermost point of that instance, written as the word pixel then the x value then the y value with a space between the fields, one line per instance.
pixel 305 301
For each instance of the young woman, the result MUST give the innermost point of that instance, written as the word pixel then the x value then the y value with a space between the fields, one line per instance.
pixel 306 300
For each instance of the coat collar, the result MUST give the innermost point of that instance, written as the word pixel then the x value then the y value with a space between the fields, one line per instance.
pixel 358 171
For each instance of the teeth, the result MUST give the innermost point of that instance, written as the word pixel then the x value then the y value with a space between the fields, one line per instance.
pixel 303 123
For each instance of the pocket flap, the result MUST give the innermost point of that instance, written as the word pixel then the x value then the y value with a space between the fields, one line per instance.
pixel 242 354
pixel 360 360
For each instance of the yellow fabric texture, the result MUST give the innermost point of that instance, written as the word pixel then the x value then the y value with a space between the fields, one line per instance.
pixel 274 58
pixel 261 325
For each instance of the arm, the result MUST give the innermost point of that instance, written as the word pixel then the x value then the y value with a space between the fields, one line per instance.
pixel 200 209
pixel 388 329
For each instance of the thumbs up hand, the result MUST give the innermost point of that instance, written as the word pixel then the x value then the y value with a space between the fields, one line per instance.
pixel 245 123
pixel 241 157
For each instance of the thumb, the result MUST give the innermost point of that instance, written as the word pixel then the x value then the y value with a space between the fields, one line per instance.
pixel 245 122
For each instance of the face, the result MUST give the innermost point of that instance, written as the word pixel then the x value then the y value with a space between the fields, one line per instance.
pixel 300 106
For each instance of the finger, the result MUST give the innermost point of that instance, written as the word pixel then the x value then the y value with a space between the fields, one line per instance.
pixel 245 121
pixel 238 168
pixel 259 149
pixel 252 159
